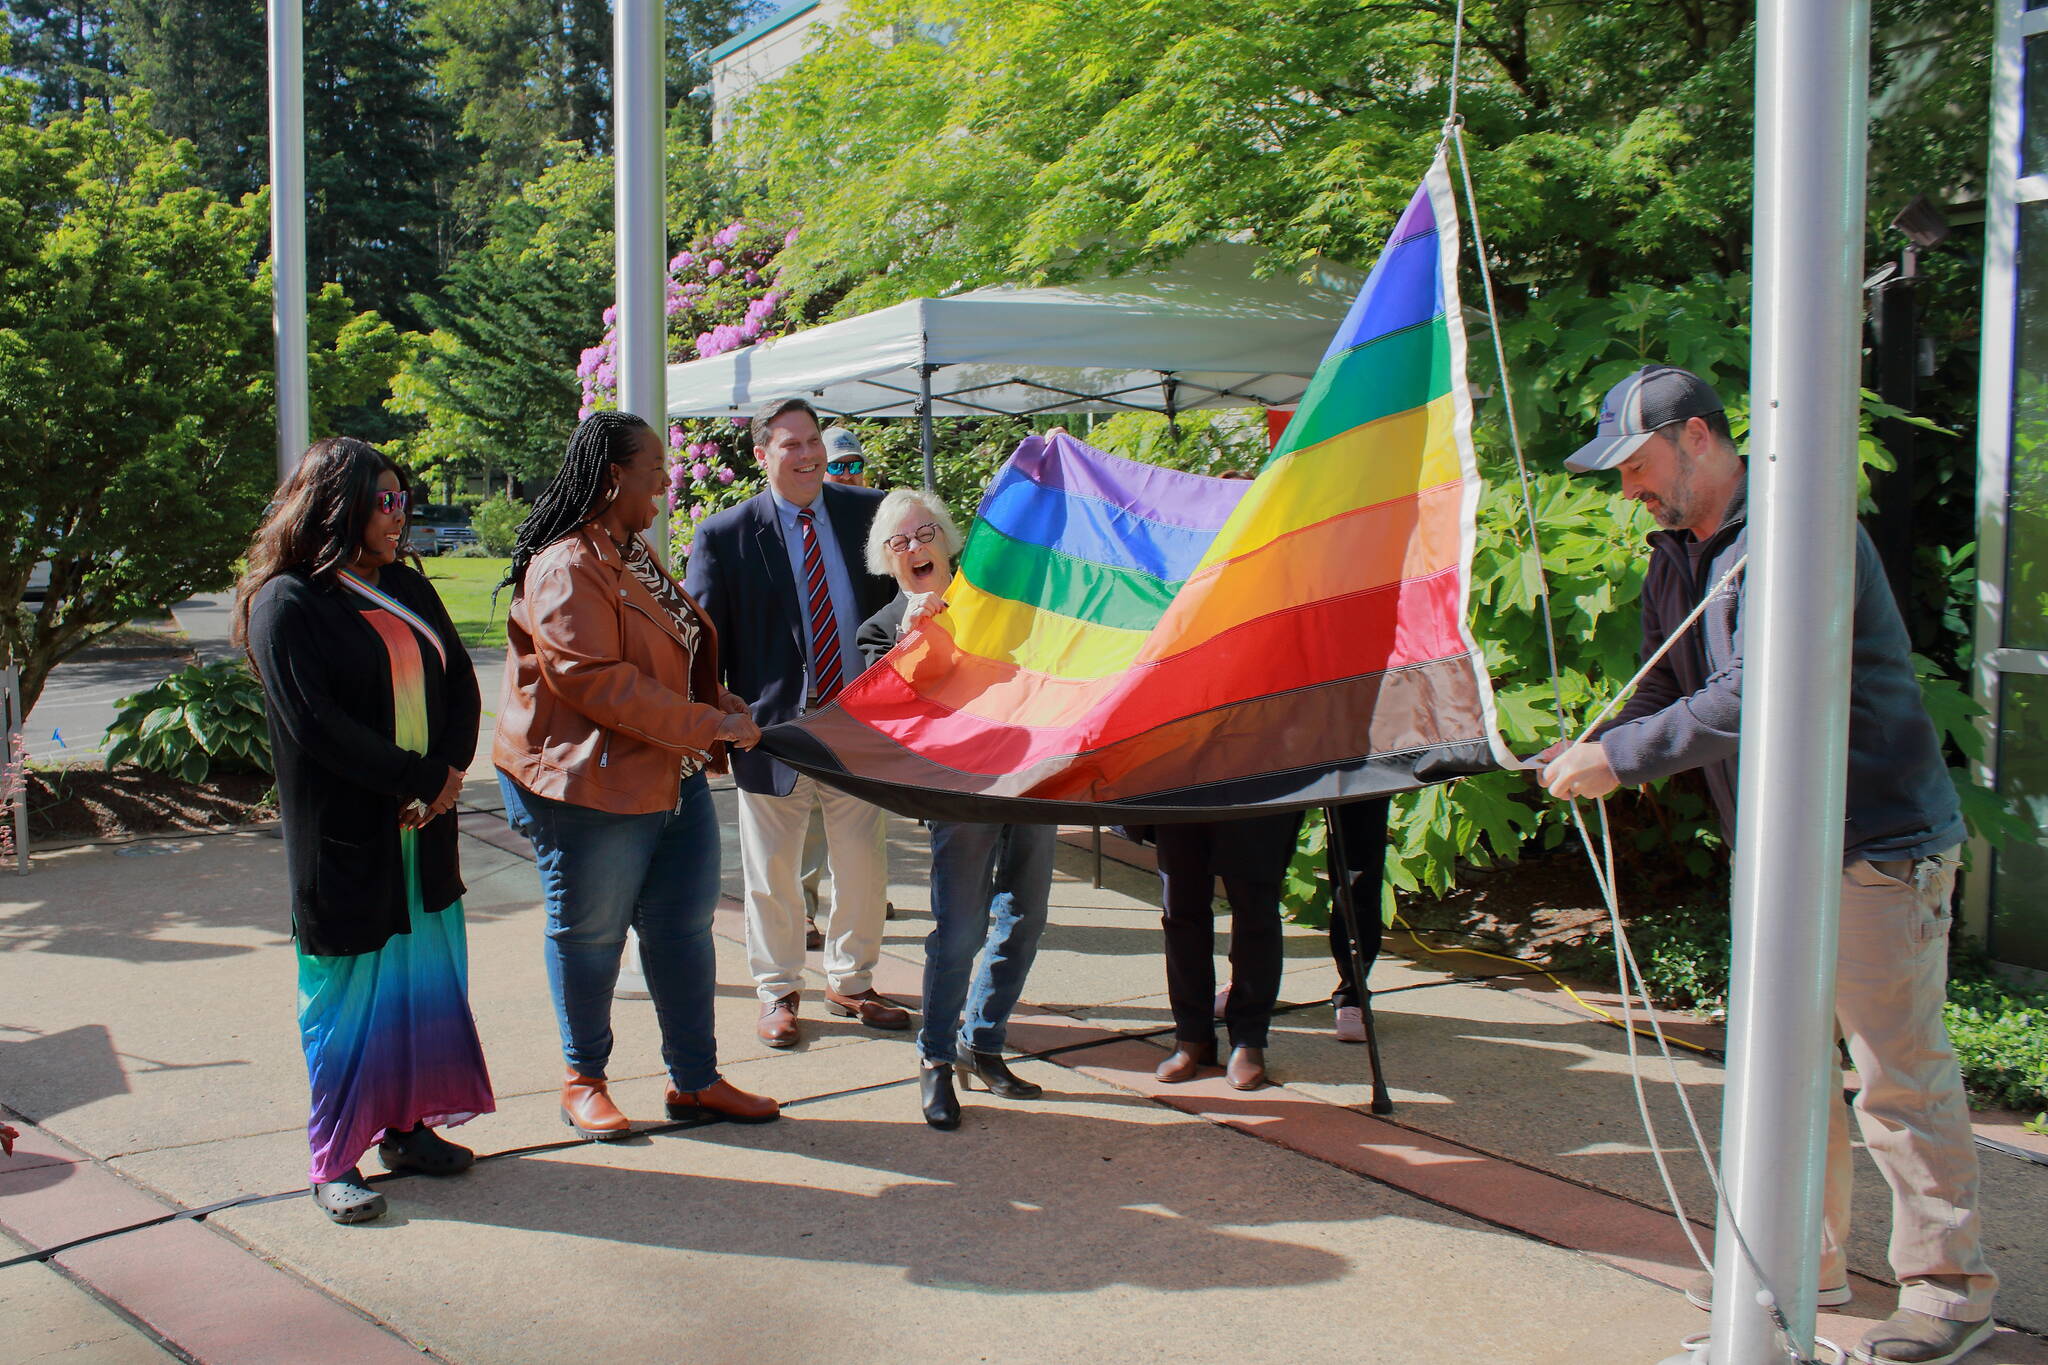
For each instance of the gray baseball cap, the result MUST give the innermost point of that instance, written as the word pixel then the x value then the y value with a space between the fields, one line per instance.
pixel 841 444
pixel 1652 397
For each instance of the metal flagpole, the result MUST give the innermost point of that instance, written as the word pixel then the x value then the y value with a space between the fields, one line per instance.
pixel 640 135
pixel 1812 80
pixel 640 200
pixel 288 228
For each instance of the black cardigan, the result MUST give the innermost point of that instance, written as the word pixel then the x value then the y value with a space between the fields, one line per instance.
pixel 341 779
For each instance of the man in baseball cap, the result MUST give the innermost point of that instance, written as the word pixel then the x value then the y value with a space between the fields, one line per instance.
pixel 1663 431
pixel 844 464
pixel 1637 408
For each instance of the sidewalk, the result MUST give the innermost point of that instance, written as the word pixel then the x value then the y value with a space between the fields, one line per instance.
pixel 1505 1211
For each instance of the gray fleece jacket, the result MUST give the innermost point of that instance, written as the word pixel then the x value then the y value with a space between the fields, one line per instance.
pixel 1688 710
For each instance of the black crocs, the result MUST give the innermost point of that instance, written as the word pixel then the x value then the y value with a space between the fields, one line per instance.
pixel 346 1199
pixel 422 1149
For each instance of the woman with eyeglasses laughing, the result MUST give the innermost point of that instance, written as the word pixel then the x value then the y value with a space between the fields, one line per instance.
pixel 990 883
pixel 373 711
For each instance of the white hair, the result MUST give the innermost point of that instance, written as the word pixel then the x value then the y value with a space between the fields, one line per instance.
pixel 890 513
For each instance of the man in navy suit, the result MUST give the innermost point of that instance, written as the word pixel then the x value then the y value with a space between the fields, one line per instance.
pixel 784 580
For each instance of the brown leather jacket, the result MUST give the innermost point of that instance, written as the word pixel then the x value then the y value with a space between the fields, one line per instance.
pixel 602 701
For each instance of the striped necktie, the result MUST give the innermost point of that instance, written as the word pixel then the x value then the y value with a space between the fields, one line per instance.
pixel 826 673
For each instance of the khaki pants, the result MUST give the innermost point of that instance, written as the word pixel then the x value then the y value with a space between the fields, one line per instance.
pixel 1891 978
pixel 771 850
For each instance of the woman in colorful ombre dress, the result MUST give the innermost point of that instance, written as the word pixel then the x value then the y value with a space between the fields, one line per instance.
pixel 373 719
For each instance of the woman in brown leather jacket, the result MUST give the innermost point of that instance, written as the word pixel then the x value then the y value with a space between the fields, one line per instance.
pixel 610 717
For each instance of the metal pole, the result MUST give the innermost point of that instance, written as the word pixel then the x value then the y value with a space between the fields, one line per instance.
pixel 288 229
pixel 1170 387
pixel 12 718
pixel 1812 81
pixel 639 129
pixel 924 424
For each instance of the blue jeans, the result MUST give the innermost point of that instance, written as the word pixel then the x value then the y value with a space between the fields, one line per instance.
pixel 990 884
pixel 603 873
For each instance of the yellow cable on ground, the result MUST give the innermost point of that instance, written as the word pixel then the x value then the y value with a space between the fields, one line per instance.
pixel 1552 977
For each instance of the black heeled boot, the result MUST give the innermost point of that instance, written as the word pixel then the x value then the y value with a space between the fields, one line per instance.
pixel 941 1105
pixel 993 1072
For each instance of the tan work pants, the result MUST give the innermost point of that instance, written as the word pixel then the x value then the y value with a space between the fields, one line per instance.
pixel 1891 979
pixel 771 851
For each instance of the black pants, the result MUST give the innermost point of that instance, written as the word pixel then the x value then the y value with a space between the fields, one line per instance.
pixel 1364 827
pixel 1187 871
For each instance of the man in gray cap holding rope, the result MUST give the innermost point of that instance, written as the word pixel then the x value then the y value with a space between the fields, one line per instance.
pixel 1663 430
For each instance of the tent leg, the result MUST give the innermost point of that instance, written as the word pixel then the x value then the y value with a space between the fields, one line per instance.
pixel 924 424
pixel 1340 887
pixel 1098 857
pixel 1170 387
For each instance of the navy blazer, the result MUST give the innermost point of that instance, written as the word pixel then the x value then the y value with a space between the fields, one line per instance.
pixel 739 573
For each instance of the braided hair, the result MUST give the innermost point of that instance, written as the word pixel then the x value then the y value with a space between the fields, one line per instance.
pixel 600 441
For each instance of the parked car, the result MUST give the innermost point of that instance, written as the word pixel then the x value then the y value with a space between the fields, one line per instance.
pixel 38 582
pixel 438 528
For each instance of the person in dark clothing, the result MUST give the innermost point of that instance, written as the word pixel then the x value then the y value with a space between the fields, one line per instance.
pixel 1251 856
pixel 1363 825
pixel 373 708
pixel 1664 431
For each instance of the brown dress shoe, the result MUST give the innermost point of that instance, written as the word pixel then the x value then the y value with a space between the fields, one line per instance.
pixel 870 1007
pixel 1187 1059
pixel 1247 1069
pixel 777 1025
pixel 587 1107
pixel 721 1099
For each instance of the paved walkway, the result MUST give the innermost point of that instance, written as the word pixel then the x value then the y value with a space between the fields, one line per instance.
pixel 1508 1210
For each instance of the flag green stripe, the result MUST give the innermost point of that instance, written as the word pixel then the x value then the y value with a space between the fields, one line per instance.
pixel 1041 577
pixel 1386 375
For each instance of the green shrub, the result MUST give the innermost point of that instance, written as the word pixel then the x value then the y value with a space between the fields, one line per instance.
pixel 474 550
pixel 496 522
pixel 2000 1031
pixel 198 717
pixel 1684 953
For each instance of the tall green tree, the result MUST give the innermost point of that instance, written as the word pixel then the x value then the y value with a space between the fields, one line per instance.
pixel 532 79
pixel 66 48
pixel 493 388
pixel 136 403
pixel 381 154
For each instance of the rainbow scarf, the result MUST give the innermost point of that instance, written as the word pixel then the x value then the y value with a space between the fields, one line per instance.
pixel 364 588
pixel 1124 642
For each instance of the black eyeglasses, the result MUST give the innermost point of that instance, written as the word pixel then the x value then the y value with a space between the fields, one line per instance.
pixel 923 535
pixel 845 466
pixel 389 500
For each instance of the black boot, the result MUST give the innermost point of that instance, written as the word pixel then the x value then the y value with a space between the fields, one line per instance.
pixel 422 1149
pixel 941 1105
pixel 992 1071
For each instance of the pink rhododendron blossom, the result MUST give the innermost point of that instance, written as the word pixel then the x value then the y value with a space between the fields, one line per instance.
pixel 724 475
pixel 611 316
pixel 715 269
pixel 675 438
pixel 700 471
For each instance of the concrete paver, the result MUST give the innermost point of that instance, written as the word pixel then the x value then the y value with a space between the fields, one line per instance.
pixel 155 1034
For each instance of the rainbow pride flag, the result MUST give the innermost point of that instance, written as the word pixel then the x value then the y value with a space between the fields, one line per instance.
pixel 1125 642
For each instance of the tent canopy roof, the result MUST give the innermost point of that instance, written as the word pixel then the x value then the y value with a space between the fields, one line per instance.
pixel 1201 333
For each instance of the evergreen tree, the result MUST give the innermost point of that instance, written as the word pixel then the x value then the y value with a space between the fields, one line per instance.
pixel 381 159
pixel 65 48
pixel 494 389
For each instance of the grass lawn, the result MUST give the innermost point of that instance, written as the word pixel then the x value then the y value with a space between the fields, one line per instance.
pixel 465 587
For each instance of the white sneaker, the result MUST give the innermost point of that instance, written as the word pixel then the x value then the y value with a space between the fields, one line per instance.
pixel 1350 1024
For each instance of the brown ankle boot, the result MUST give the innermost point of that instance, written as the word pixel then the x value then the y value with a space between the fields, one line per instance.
pixel 1187 1060
pixel 587 1107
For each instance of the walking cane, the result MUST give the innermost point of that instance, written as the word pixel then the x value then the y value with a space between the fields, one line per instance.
pixel 1339 864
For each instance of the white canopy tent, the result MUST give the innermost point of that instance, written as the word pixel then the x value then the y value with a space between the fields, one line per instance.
pixel 1204 332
